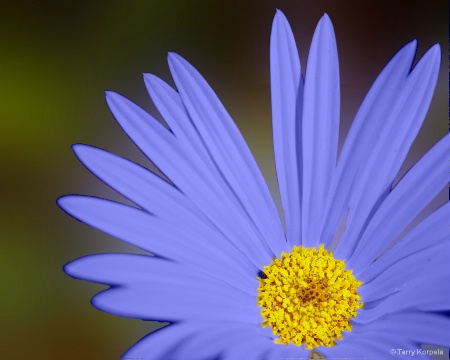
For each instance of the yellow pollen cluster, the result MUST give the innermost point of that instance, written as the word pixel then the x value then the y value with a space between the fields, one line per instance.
pixel 308 297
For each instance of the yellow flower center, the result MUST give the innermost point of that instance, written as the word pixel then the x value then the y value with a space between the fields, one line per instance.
pixel 308 297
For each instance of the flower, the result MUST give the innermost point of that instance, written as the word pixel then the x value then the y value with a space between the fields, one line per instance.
pixel 226 276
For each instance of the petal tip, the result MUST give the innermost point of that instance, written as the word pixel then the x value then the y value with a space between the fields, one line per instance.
pixel 176 62
pixel 69 268
pixel 279 21
pixel 109 93
pixel 87 153
pixel 64 202
pixel 80 149
pixel 325 23
pixel 149 77
pixel 172 57
pixel 111 97
pixel 436 50
pixel 326 17
pixel 150 81
pixel 433 57
pixel 154 84
pixel 412 45
pixel 279 15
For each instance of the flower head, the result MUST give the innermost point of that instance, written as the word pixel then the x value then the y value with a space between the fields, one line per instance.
pixel 226 276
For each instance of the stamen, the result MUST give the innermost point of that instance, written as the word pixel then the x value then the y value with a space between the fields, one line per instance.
pixel 308 298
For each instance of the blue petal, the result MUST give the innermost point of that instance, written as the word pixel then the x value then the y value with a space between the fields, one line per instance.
pixel 417 327
pixel 184 168
pixel 250 349
pixel 291 351
pixel 409 271
pixel 196 340
pixel 414 191
pixel 259 348
pixel 375 339
pixel 170 340
pixel 186 300
pixel 360 139
pixel 287 98
pixel 221 337
pixel 170 106
pixel 158 236
pixel 357 349
pixel 320 129
pixel 430 232
pixel 229 151
pixel 123 269
pixel 151 288
pixel 138 184
pixel 427 293
pixel 154 195
pixel 386 97
pixel 386 156
pixel 371 346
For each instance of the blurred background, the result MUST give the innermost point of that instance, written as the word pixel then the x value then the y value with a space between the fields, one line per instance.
pixel 56 60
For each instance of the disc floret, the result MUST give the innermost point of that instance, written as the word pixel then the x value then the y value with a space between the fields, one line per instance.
pixel 308 297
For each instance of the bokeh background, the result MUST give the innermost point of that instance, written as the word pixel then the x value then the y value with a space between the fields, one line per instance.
pixel 56 60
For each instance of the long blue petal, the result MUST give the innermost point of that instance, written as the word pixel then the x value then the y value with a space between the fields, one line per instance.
pixel 426 294
pixel 124 269
pixel 161 237
pixel 160 343
pixel 258 348
pixel 286 84
pixel 229 151
pixel 430 232
pixel 195 340
pixel 251 349
pixel 320 129
pixel 376 339
pixel 136 183
pixel 152 288
pixel 409 271
pixel 358 349
pixel 154 195
pixel 414 191
pixel 183 168
pixel 361 140
pixel 221 336
pixel 417 327
pixel 171 107
pixel 186 300
pixel 399 130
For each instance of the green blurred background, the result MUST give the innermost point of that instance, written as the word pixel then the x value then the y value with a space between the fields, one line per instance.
pixel 57 58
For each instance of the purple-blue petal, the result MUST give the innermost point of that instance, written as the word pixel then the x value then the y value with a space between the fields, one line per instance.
pixel 320 123
pixel 181 166
pixel 409 271
pixel 414 191
pixel 158 236
pixel 230 152
pixel 429 293
pixel 430 232
pixel 286 84
pixel 376 339
pixel 399 129
pixel 185 300
pixel 197 341
pixel 125 269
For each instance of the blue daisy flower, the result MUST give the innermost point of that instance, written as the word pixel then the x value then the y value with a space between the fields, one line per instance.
pixel 231 282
